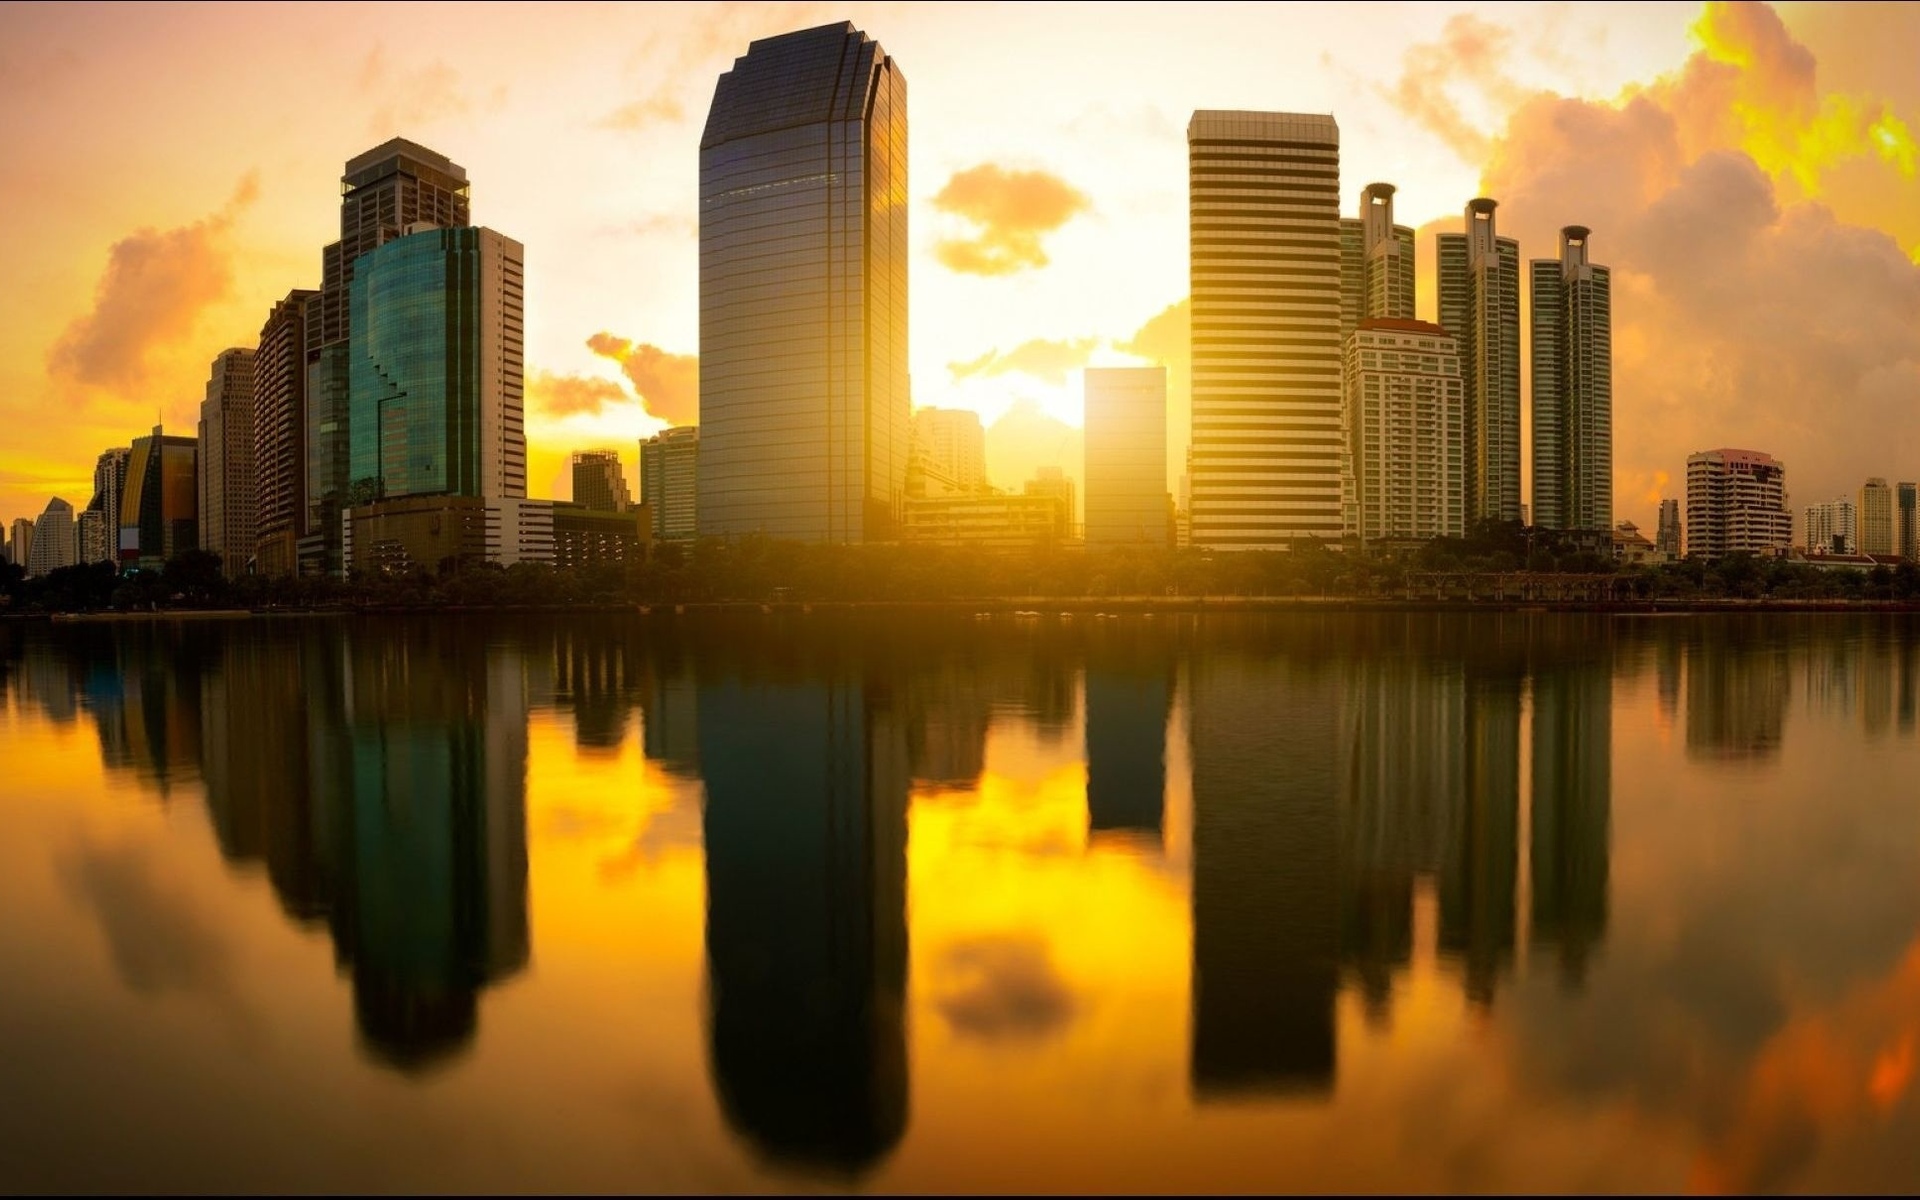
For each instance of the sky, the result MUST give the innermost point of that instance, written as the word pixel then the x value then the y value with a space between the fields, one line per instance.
pixel 1748 171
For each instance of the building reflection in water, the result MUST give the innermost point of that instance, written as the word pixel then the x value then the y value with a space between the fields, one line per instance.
pixel 1571 814
pixel 1478 873
pixel 1266 904
pixel 1738 684
pixel 806 780
pixel 1129 697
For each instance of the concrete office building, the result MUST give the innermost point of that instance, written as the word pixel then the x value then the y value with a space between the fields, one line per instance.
pixel 1737 504
pixel 1264 213
pixel 159 511
pixel 385 193
pixel 226 475
pixel 53 540
pixel 1906 532
pixel 1479 285
pixel 1669 538
pixel 20 542
pixel 91 537
pixel 803 292
pixel 1404 411
pixel 1126 457
pixel 600 482
pixel 280 434
pixel 669 481
pixel 1572 388
pixel 1876 517
pixel 1376 262
pixel 1833 527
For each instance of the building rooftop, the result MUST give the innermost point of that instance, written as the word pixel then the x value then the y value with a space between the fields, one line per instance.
pixel 1264 126
pixel 394 149
pixel 1404 325
pixel 805 77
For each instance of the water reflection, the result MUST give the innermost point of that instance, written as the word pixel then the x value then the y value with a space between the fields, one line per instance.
pixel 1391 819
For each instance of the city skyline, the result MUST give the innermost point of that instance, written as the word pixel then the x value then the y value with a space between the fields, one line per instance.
pixel 1839 134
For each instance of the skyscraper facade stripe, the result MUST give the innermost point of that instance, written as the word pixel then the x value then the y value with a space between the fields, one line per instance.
pixel 1572 311
pixel 1264 198
pixel 804 411
pixel 280 434
pixel 1480 306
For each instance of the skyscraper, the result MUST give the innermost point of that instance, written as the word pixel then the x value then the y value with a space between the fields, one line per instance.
pixel 1572 388
pixel 951 443
pixel 669 479
pixel 1833 527
pixel 1126 457
pixel 226 478
pixel 53 542
pixel 1264 216
pixel 159 513
pixel 109 483
pixel 384 193
pixel 599 481
pixel 437 380
pixel 1906 530
pixel 803 291
pixel 20 544
pixel 1480 307
pixel 280 434
pixel 1876 517
pixel 1404 410
pixel 1669 539
pixel 1736 504
pixel 1376 262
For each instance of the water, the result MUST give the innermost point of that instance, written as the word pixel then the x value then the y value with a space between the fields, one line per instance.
pixel 930 903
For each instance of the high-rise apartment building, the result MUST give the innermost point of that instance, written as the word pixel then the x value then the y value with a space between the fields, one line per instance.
pixel 1404 412
pixel 1670 539
pixel 951 444
pixel 53 540
pixel 226 476
pixel 1376 262
pixel 90 537
pixel 385 194
pixel 1833 527
pixel 1906 531
pixel 1264 220
pixel 280 434
pixel 1572 388
pixel 1479 285
pixel 20 543
pixel 437 382
pixel 803 291
pixel 1876 517
pixel 102 540
pixel 1126 457
pixel 669 481
pixel 159 513
pixel 1736 504
pixel 600 482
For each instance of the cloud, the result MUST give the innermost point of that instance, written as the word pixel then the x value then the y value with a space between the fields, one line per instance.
pixel 1471 54
pixel 565 395
pixel 157 285
pixel 1040 358
pixel 668 384
pixel 658 107
pixel 1002 988
pixel 404 99
pixel 1011 211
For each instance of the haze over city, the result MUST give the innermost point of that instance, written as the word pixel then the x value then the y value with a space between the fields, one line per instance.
pixel 1748 173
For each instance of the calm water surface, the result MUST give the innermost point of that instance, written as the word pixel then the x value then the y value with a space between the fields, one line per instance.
pixel 763 903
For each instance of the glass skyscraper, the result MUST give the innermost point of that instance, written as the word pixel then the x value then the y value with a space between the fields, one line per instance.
pixel 1572 388
pixel 436 370
pixel 1479 277
pixel 803 292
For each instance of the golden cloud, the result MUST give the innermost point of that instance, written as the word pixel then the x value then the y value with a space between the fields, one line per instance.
pixel 157 285
pixel 565 395
pixel 1041 358
pixel 1011 212
pixel 668 384
pixel 1470 53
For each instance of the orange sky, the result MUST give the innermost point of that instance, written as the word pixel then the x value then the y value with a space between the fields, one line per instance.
pixel 168 171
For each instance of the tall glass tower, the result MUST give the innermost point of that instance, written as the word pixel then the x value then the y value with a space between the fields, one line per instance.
pixel 803 291
pixel 1572 388
pixel 1480 307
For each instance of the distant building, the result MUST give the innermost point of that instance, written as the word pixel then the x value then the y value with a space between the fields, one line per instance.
pixel 1632 548
pixel 280 512
pixel 587 537
pixel 1906 527
pixel 669 482
pixel 1264 225
pixel 1876 517
pixel 159 512
pixel 1126 457
pixel 1376 262
pixel 20 542
pixel 600 482
pixel 54 544
pixel 436 533
pixel 102 542
pixel 1572 388
pixel 1054 482
pixel 1403 413
pixel 1670 538
pixel 804 407
pixel 1833 528
pixel 952 447
pixel 91 536
pixel 1479 304
pixel 225 471
pixel 1737 503
pixel 995 520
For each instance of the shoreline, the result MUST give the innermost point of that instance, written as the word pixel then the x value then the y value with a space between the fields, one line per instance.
pixel 1025 607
